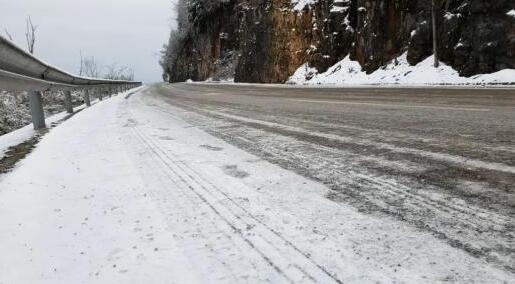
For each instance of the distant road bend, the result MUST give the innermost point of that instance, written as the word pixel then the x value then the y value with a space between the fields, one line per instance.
pixel 441 160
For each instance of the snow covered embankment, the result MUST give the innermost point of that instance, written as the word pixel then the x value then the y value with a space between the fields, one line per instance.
pixel 398 72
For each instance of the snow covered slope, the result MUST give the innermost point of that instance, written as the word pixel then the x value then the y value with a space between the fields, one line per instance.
pixel 348 72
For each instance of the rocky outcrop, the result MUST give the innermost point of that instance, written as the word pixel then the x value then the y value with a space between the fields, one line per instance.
pixel 267 40
pixel 208 48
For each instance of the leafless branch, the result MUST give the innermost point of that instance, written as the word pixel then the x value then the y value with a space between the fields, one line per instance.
pixel 8 35
pixel 119 73
pixel 90 67
pixel 30 35
pixel 81 68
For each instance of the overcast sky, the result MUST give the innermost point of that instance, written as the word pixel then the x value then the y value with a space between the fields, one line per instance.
pixel 126 32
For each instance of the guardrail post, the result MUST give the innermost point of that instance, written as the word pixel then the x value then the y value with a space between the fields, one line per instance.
pixel 87 99
pixel 100 93
pixel 36 109
pixel 68 101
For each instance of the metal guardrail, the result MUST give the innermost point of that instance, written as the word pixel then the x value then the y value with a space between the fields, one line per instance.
pixel 21 71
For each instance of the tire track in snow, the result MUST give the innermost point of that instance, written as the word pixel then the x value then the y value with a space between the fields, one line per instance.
pixel 270 244
pixel 206 225
pixel 176 179
pixel 165 160
pixel 206 237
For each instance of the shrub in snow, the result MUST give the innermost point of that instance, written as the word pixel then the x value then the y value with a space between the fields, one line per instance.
pixel 15 109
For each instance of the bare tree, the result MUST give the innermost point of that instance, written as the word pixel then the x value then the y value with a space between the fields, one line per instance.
pixel 111 72
pixel 119 73
pixel 8 35
pixel 129 74
pixel 81 68
pixel 90 67
pixel 30 35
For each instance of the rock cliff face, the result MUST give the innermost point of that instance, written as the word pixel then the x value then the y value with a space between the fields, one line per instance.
pixel 267 40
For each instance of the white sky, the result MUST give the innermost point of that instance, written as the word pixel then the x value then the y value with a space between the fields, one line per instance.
pixel 126 32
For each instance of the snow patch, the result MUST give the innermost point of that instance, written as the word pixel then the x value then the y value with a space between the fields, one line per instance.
pixel 299 5
pixel 213 80
pixel 398 72
pixel 27 132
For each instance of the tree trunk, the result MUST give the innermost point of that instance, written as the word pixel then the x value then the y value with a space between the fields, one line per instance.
pixel 435 43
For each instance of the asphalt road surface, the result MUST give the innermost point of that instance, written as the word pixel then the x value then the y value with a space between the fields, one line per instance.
pixel 441 160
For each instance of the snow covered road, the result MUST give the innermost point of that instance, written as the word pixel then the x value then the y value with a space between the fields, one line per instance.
pixel 134 190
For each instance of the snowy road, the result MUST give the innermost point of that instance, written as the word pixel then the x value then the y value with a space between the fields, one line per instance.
pixel 189 183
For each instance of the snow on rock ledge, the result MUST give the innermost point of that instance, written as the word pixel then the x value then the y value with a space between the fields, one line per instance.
pixel 398 72
pixel 301 4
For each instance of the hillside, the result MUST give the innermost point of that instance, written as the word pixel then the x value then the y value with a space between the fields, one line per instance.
pixel 267 41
